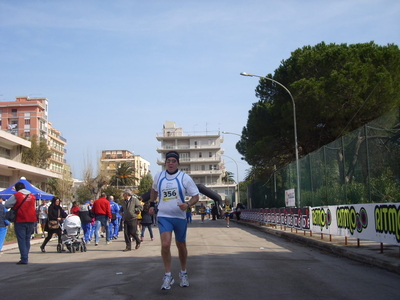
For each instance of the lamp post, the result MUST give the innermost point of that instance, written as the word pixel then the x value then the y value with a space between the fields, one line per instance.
pixel 237 176
pixel 295 128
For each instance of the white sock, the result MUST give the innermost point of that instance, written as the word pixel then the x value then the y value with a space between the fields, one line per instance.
pixel 168 274
pixel 183 272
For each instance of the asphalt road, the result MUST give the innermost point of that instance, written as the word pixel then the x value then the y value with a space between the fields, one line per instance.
pixel 239 262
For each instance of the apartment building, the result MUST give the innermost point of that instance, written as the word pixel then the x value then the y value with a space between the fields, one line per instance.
pixel 11 167
pixel 111 159
pixel 57 143
pixel 200 157
pixel 26 117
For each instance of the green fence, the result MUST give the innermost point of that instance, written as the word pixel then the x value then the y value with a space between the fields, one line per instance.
pixel 361 167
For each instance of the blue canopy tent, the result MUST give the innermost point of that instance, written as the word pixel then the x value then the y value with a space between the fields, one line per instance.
pixel 39 194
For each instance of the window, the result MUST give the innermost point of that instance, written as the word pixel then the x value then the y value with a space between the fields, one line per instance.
pixel 209 154
pixel 27 121
pixel 200 154
pixel 184 156
pixel 4 181
pixel 14 112
pixel 4 152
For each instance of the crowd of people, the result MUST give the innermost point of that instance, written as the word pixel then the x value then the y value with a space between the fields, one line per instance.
pixel 106 217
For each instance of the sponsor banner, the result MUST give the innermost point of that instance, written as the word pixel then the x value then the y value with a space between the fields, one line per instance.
pixel 378 222
pixel 298 218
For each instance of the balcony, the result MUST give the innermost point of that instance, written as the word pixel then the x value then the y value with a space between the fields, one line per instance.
pixel 194 160
pixel 215 173
pixel 180 135
pixel 188 147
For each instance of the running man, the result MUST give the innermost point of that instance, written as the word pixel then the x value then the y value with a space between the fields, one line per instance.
pixel 171 186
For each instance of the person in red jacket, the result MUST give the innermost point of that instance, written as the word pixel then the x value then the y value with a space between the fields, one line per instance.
pixel 25 219
pixel 102 211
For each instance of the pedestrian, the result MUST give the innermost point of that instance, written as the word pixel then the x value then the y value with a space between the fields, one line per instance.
pixel 131 207
pixel 139 217
pixel 55 213
pixel 171 186
pixel 214 212
pixel 208 212
pixel 189 215
pixel 42 215
pixel 3 224
pixel 25 219
pixel 86 216
pixel 155 209
pixel 238 211
pixel 202 212
pixel 93 223
pixel 119 217
pixel 102 211
pixel 113 226
pixel 227 212
pixel 147 221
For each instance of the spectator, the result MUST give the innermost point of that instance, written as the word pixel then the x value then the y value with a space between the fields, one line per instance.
pixel 114 225
pixel 3 224
pixel 86 216
pixel 131 207
pixel 147 221
pixel 102 211
pixel 25 220
pixel 214 212
pixel 42 215
pixel 55 212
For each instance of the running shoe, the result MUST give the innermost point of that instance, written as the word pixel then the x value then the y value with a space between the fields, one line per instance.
pixel 184 279
pixel 167 282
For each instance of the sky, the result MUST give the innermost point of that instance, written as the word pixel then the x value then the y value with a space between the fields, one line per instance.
pixel 115 71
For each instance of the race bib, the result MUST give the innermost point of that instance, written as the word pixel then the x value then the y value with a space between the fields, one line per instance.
pixel 170 194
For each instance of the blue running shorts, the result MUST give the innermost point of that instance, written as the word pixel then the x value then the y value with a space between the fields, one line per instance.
pixel 178 226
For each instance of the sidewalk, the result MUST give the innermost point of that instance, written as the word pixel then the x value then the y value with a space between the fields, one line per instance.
pixel 368 252
pixel 12 246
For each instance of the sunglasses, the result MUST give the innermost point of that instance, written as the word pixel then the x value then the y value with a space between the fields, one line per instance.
pixel 171 161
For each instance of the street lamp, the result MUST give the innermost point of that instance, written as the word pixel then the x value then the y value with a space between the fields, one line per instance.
pixel 295 128
pixel 227 132
pixel 237 175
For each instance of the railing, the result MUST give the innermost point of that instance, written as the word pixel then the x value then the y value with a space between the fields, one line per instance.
pixel 208 172
pixel 194 160
pixel 188 147
pixel 189 134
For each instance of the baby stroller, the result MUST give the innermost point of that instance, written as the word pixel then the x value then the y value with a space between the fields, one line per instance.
pixel 70 237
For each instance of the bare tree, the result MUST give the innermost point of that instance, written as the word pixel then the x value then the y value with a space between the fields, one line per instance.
pixel 95 182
